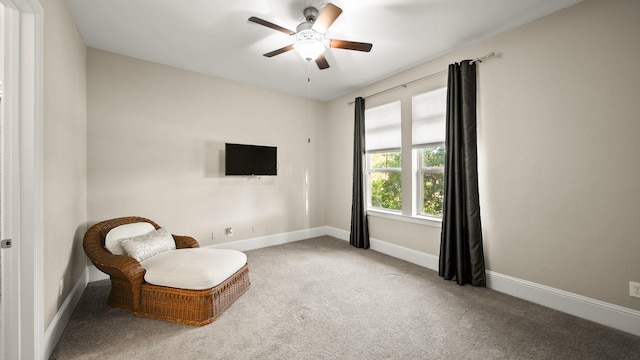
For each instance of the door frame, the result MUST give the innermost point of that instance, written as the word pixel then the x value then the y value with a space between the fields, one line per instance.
pixel 23 88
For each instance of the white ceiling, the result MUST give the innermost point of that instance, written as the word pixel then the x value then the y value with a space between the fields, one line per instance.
pixel 214 37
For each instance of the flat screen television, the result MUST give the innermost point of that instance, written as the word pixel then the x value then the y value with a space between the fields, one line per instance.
pixel 250 160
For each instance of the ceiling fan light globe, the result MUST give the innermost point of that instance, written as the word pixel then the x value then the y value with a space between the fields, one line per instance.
pixel 309 49
pixel 309 43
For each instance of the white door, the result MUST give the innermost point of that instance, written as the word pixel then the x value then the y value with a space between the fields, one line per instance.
pixel 4 208
pixel 5 241
pixel 5 255
pixel 21 172
pixel 21 308
pixel 9 265
pixel 9 200
pixel 5 250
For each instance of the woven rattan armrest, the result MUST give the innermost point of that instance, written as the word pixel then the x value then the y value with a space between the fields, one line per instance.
pixel 183 242
pixel 119 266
pixel 122 266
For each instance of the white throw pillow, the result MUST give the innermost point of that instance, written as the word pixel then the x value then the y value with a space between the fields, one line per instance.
pixel 193 268
pixel 111 242
pixel 145 246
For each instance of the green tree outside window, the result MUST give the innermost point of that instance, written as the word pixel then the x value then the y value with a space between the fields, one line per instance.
pixel 433 180
pixel 386 186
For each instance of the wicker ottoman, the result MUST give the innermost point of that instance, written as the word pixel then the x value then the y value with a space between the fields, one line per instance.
pixel 192 307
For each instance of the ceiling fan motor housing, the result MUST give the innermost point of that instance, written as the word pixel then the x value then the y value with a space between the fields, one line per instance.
pixel 311 14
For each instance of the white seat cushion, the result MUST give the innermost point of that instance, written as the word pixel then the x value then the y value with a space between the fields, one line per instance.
pixel 194 269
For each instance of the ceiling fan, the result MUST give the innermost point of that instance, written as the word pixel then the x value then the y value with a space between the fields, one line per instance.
pixel 309 38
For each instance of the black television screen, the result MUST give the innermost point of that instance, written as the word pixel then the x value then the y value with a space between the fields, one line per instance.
pixel 250 160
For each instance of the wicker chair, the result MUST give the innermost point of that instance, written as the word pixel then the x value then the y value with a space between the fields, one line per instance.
pixel 130 291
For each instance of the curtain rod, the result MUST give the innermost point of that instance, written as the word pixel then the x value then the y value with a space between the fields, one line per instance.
pixel 431 76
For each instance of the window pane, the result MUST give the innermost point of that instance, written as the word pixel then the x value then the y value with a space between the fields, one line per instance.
pixel 433 156
pixel 433 190
pixel 389 160
pixel 386 190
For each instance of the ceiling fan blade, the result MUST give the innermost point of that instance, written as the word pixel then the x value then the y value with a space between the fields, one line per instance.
pixel 328 15
pixel 271 25
pixel 322 62
pixel 350 45
pixel 279 51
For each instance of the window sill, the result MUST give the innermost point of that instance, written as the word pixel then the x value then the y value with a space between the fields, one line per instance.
pixel 416 219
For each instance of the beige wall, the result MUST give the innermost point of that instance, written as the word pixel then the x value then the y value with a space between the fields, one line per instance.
pixel 156 139
pixel 557 126
pixel 65 154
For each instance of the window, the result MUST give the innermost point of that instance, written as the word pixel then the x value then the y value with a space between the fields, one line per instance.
pixel 420 197
pixel 384 160
pixel 428 137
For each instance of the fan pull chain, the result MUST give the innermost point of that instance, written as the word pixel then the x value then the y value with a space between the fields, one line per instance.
pixel 309 93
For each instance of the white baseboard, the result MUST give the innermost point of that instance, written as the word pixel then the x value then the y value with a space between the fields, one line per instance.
pixel 611 315
pixel 338 233
pixel 413 256
pixel 271 240
pixel 61 319
pixel 615 316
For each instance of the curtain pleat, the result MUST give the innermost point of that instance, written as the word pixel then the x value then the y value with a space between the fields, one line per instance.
pixel 461 250
pixel 359 236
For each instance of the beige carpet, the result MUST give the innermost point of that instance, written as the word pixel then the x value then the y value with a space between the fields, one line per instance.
pixel 323 299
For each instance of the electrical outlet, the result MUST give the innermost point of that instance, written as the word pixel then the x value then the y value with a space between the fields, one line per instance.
pixel 229 231
pixel 634 289
pixel 61 287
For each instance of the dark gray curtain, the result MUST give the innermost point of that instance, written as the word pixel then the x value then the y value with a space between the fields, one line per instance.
pixel 359 228
pixel 461 253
